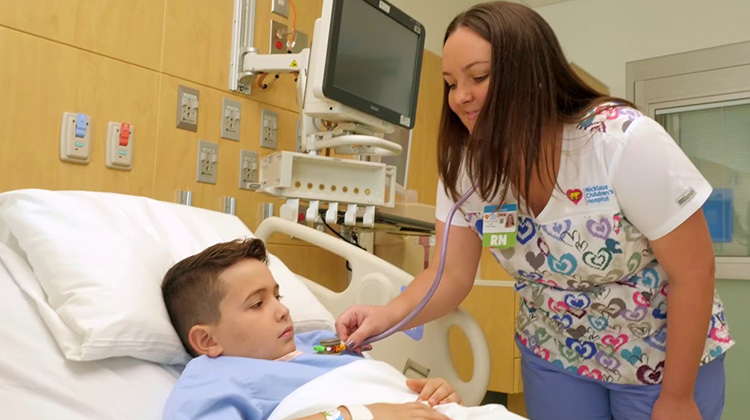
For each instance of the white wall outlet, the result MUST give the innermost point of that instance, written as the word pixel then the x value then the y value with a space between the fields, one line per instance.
pixel 269 129
pixel 75 138
pixel 230 119
pixel 280 7
pixel 208 160
pixel 187 108
pixel 119 146
pixel 249 170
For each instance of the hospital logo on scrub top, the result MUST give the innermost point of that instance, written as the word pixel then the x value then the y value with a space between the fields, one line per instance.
pixel 598 194
pixel 574 195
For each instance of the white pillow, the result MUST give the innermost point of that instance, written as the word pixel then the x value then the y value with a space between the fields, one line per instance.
pixel 100 259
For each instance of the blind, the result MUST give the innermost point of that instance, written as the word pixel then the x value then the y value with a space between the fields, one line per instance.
pixel 716 137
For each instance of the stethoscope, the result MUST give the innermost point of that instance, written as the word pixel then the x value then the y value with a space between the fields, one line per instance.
pixel 438 276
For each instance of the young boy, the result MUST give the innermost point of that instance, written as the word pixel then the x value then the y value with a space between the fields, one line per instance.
pixel 225 306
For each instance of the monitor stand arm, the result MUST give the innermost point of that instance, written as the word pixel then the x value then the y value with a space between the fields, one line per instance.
pixel 254 63
pixel 348 141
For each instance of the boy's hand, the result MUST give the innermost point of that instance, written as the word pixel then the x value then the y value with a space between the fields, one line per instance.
pixel 434 390
pixel 406 411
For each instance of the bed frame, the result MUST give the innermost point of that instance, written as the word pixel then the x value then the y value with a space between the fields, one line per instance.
pixel 375 282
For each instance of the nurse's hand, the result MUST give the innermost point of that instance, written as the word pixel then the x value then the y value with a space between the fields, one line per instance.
pixel 359 322
pixel 674 408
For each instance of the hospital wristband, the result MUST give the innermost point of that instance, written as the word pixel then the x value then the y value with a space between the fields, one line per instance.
pixel 332 414
pixel 359 412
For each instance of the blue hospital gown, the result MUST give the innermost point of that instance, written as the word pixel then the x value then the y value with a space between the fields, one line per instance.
pixel 229 387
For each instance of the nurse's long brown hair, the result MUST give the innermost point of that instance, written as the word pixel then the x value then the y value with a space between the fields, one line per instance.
pixel 532 89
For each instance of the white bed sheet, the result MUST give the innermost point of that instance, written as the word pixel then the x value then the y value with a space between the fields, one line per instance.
pixel 367 382
pixel 38 383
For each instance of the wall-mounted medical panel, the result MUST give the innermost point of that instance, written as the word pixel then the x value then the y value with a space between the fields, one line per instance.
pixel 130 30
pixel 75 138
pixel 298 175
pixel 177 149
pixel 30 115
pixel 198 36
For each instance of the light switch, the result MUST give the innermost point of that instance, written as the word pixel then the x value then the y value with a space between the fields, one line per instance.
pixel 120 146
pixel 75 138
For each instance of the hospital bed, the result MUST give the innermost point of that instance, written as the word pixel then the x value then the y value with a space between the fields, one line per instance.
pixel 85 334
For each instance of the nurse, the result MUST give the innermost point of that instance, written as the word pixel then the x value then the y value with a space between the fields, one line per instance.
pixel 610 250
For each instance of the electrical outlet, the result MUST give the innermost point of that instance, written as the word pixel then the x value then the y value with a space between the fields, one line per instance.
pixel 248 170
pixel 208 160
pixel 278 38
pixel 269 129
pixel 280 7
pixel 187 108
pixel 230 119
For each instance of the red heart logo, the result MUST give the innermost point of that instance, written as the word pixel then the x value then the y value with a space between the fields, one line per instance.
pixel 575 195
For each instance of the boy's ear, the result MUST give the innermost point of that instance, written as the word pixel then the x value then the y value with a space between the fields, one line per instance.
pixel 203 342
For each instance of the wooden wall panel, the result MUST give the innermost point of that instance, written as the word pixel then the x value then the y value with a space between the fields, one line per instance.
pixel 197 41
pixel 490 269
pixel 313 263
pixel 40 80
pixel 493 309
pixel 423 174
pixel 130 30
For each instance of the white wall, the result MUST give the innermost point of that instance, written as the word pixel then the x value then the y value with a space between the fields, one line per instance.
pixel 435 15
pixel 602 35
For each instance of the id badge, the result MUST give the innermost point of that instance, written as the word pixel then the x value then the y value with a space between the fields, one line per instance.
pixel 499 226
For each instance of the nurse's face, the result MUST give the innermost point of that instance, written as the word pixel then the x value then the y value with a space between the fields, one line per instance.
pixel 466 70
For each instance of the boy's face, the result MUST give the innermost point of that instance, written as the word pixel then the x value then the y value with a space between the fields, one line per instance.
pixel 253 321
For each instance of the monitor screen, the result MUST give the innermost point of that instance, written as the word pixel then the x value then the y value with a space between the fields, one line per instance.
pixel 374 60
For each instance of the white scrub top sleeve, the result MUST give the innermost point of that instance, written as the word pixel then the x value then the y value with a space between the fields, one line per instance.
pixel 443 205
pixel 656 184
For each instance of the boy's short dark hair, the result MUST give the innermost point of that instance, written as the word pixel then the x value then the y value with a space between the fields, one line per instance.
pixel 192 290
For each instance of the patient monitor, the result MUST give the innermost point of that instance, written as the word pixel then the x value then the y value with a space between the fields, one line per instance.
pixel 358 81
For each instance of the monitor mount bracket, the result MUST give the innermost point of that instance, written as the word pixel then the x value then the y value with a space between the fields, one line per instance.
pixel 246 64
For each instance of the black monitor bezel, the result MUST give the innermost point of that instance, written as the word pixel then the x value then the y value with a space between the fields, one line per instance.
pixel 348 99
